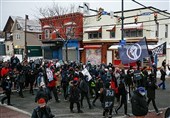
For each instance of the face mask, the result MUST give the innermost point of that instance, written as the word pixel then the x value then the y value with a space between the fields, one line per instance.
pixel 7 78
pixel 142 93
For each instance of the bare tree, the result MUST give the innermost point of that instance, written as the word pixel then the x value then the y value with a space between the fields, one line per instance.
pixel 55 15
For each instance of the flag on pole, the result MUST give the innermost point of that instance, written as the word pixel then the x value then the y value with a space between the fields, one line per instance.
pixel 159 50
pixel 134 52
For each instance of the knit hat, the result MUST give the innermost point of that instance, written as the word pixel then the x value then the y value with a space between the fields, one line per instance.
pixel 141 90
pixel 41 102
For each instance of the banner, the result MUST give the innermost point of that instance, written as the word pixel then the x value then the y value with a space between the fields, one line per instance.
pixel 159 50
pixel 134 52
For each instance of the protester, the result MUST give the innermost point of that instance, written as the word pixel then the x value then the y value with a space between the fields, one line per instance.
pixel 163 74
pixel 75 97
pixel 43 92
pixel 108 95
pixel 42 111
pixel 139 103
pixel 123 95
pixel 6 86
pixel 151 87
pixel 85 91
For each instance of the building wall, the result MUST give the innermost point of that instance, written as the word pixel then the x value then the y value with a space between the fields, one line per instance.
pixel 149 30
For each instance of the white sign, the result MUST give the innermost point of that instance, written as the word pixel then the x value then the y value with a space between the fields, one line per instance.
pixel 86 72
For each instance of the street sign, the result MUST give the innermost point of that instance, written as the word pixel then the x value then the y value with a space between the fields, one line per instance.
pixel 122 42
pixel 145 14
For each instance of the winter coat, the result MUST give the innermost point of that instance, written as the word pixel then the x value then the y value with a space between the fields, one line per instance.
pixel 74 94
pixel 139 104
pixel 42 112
pixel 43 93
pixel 151 87
pixel 108 98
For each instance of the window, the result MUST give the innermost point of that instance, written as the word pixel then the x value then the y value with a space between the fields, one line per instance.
pixel 18 26
pixel 112 34
pixel 39 36
pixel 17 36
pixel 8 47
pixel 47 33
pixel 166 31
pixel 133 33
pixel 94 35
pixel 157 30
pixel 8 35
pixel 70 31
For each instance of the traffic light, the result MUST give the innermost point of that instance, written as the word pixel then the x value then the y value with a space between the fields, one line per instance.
pixel 118 19
pixel 136 19
pixel 99 14
pixel 155 16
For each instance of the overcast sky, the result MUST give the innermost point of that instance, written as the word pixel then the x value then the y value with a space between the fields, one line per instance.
pixel 29 7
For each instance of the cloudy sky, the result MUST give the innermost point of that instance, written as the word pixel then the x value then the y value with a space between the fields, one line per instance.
pixel 29 7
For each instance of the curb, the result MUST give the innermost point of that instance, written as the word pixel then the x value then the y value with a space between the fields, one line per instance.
pixel 16 109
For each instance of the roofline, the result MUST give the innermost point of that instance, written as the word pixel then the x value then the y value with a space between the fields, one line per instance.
pixel 149 7
pixel 60 15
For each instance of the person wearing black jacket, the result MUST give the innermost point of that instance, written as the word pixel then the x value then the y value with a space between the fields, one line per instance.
pixel 163 74
pixel 6 86
pixel 75 96
pixel 139 103
pixel 42 111
pixel 108 95
pixel 151 87
pixel 85 91
pixel 123 94
pixel 43 92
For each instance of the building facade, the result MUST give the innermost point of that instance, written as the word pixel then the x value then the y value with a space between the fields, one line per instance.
pixel 101 38
pixel 62 36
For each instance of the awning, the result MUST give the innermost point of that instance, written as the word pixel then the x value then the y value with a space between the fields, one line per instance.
pixel 46 26
pixel 92 46
pixel 69 23
pixel 92 29
pixel 134 26
pixel 114 47
pixel 110 28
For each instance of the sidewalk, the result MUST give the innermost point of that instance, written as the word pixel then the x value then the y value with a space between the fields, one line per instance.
pixel 12 112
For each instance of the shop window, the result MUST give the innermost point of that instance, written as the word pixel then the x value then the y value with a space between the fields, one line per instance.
pixel 116 55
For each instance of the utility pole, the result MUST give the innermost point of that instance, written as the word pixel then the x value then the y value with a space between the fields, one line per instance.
pixel 25 45
pixel 122 18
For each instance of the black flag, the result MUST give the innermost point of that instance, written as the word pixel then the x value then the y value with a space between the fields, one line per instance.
pixel 159 50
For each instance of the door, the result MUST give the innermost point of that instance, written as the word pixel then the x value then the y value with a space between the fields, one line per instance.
pixel 109 57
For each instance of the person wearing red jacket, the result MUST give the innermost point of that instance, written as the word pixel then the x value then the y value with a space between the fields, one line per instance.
pixel 4 70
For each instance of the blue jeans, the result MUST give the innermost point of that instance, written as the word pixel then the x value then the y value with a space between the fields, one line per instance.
pixel 162 84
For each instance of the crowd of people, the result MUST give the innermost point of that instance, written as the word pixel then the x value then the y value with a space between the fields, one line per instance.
pixel 76 81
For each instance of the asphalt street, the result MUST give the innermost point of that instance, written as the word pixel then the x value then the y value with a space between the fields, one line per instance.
pixel 61 110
